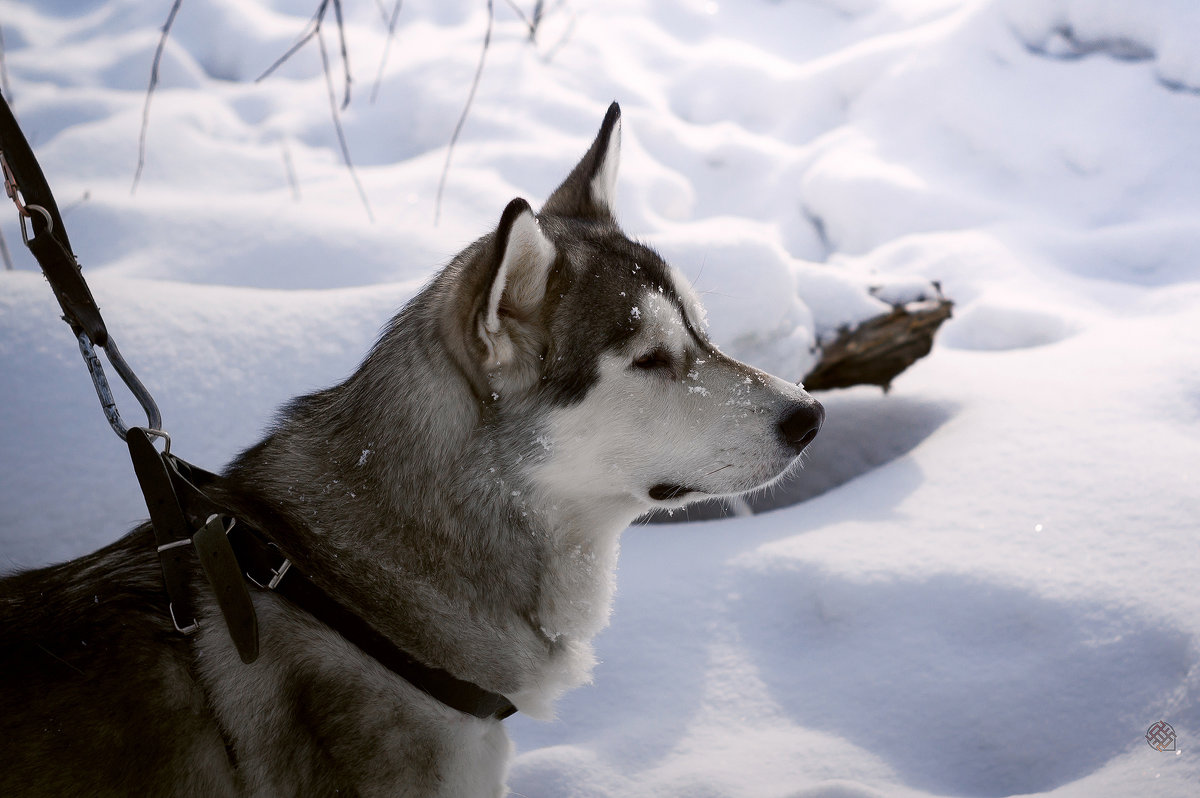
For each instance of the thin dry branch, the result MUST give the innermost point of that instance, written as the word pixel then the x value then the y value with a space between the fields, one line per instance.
pixel 487 41
pixel 5 254
pixel 162 43
pixel 573 18
pixel 538 10
pixel 306 36
pixel 532 25
pixel 337 13
pixel 387 47
pixel 87 195
pixel 311 31
pixel 383 14
pixel 289 169
pixel 5 86
pixel 337 124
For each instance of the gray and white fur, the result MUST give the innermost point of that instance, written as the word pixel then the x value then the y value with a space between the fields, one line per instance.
pixel 464 490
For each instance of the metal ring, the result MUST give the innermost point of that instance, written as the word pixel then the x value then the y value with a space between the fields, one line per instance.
pixel 43 212
pixel 157 433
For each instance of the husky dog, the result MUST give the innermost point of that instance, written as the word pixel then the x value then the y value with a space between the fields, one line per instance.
pixel 463 491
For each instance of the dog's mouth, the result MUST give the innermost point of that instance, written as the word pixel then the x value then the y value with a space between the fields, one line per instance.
pixel 666 491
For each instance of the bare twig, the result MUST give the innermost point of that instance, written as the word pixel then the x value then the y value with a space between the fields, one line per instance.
pixel 290 169
pixel 4 253
pixel 524 19
pixel 162 43
pixel 305 37
pixel 387 47
pixel 4 84
pixel 87 195
pixel 538 9
pixel 313 31
pixel 337 12
pixel 337 124
pixel 383 14
pixel 487 41
pixel 567 34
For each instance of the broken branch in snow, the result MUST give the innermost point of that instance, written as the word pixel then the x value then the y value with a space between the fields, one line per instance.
pixel 878 349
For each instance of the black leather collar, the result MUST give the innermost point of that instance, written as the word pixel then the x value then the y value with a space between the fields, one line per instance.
pixel 264 564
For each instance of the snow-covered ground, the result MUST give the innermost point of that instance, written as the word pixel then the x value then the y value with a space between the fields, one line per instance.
pixel 998 599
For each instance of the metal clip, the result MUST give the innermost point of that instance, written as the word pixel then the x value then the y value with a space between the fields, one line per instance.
pixel 10 186
pixel 104 392
pixel 14 193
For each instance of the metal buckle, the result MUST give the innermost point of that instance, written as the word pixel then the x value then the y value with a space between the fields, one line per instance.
pixel 187 630
pixel 278 573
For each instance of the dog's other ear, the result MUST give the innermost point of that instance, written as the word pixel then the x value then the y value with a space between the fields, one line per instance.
pixel 509 325
pixel 589 192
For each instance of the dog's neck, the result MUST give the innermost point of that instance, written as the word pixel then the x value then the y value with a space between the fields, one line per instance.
pixel 423 525
pixel 577 582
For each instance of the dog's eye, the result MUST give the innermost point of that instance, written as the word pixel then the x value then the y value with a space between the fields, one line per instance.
pixel 653 360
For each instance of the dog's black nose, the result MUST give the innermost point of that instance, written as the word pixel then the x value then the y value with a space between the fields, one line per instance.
pixel 802 424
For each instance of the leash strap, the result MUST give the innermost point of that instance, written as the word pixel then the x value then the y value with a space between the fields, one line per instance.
pixel 26 186
pixel 224 573
pixel 24 180
pixel 172 532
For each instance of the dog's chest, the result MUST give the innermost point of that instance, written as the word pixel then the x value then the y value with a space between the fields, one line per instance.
pixel 316 716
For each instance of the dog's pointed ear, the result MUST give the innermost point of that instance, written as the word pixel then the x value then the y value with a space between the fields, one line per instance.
pixel 589 192
pixel 508 325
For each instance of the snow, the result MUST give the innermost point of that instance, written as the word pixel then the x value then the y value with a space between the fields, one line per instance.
pixel 990 588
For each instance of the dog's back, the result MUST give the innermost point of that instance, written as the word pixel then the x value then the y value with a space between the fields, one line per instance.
pixel 96 693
